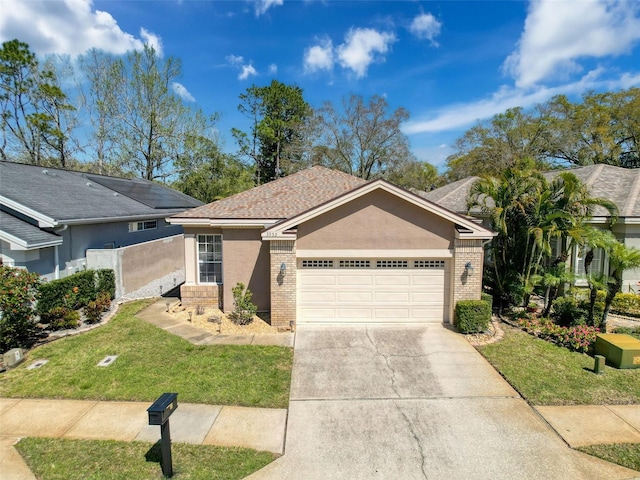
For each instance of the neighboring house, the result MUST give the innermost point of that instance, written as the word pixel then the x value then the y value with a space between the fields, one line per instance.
pixel 618 185
pixel 49 218
pixel 321 246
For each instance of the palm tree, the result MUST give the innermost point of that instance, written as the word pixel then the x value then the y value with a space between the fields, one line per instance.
pixel 528 213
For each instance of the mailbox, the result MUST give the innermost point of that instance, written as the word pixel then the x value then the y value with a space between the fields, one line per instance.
pixel 162 408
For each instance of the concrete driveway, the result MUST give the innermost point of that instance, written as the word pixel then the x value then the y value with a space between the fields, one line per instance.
pixel 413 403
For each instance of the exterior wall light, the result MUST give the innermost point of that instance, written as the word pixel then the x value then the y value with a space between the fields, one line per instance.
pixel 283 269
pixel 468 268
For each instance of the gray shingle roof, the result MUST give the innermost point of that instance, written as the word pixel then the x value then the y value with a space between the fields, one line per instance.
pixel 29 235
pixel 282 198
pixel 68 196
pixel 619 185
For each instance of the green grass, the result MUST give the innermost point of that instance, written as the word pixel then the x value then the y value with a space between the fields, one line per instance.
pixel 151 361
pixel 546 374
pixel 625 454
pixel 58 459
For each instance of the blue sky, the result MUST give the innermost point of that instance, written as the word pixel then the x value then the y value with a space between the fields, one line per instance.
pixel 449 63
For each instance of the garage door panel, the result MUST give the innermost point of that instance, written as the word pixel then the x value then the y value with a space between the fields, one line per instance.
pixel 391 280
pixel 320 280
pixel 393 294
pixel 399 314
pixel 364 280
pixel 318 313
pixel 392 297
pixel 355 297
pixel 348 314
pixel 436 279
pixel 427 297
pixel 317 297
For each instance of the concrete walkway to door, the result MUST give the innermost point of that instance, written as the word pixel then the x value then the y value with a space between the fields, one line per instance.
pixel 414 403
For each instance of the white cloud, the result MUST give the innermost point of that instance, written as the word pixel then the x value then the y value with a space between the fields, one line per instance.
pixel 182 92
pixel 67 27
pixel 247 71
pixel 246 68
pixel 463 115
pixel 319 57
pixel 426 27
pixel 273 69
pixel 557 35
pixel 152 40
pixel 362 47
pixel 235 60
pixel 263 5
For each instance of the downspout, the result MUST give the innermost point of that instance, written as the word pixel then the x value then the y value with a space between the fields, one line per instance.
pixel 56 260
pixel 56 252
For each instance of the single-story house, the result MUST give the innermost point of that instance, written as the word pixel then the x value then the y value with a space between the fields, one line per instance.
pixel 49 218
pixel 322 246
pixel 618 185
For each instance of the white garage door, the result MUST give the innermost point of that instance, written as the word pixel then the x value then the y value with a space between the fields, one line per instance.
pixel 372 290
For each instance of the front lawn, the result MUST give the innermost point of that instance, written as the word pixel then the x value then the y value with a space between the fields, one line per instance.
pixel 151 361
pixel 546 374
pixel 62 459
pixel 625 454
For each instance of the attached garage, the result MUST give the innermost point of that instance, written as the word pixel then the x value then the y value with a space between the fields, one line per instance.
pixel 373 290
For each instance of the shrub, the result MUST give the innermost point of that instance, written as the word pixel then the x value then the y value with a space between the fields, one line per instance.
pixel 472 316
pixel 103 300
pixel 567 311
pixel 62 318
pixel 73 292
pixel 579 338
pixel 106 282
pixel 485 297
pixel 18 292
pixel 244 310
pixel 626 304
pixel 92 311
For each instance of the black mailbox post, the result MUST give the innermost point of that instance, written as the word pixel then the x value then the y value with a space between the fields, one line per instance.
pixel 159 414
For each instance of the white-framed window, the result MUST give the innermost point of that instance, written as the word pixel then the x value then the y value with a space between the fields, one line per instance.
pixel 144 225
pixel 317 263
pixel 428 264
pixel 355 263
pixel 599 264
pixel 392 264
pixel 210 258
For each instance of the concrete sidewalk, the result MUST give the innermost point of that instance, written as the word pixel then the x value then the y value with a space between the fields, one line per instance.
pixel 257 428
pixel 583 425
pixel 157 315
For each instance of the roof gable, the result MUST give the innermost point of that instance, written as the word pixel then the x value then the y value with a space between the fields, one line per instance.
pixel 465 227
pixel 276 200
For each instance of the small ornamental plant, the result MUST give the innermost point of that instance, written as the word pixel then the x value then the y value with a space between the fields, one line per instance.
pixel 244 310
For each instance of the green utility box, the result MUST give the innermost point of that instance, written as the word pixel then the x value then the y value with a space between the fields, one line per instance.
pixel 620 350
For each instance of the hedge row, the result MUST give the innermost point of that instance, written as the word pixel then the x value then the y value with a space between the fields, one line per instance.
pixel 75 291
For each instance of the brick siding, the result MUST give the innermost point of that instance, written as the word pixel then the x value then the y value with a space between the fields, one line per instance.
pixel 283 287
pixel 205 295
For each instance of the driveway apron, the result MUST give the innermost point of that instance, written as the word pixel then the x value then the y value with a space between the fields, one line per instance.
pixel 413 403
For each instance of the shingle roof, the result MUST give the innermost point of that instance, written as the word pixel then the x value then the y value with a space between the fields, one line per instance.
pixel 616 184
pixel 67 196
pixel 28 235
pixel 282 198
pixel 452 196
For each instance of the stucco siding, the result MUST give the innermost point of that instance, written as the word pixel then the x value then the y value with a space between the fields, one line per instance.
pixel 378 220
pixel 245 258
